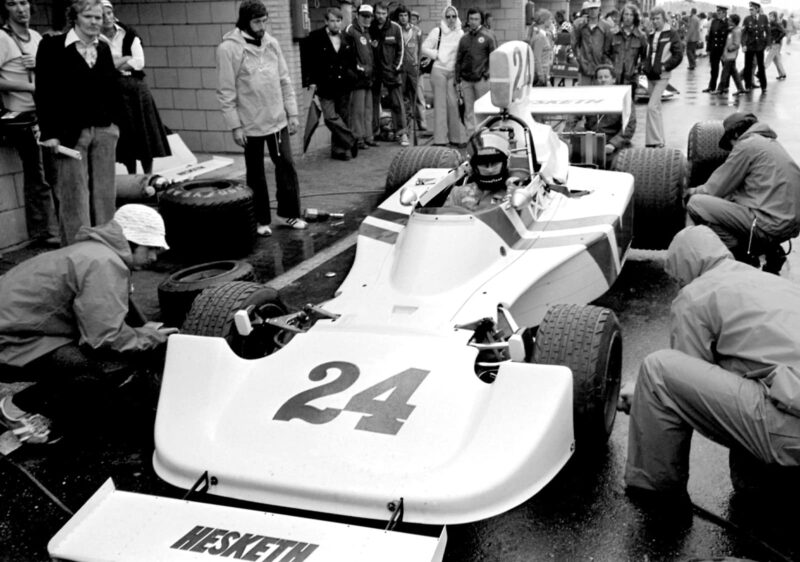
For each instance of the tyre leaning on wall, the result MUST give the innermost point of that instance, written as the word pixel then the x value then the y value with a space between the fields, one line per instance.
pixel 209 219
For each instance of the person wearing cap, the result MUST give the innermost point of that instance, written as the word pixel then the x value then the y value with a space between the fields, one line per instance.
pixel 18 46
pixel 751 201
pixel 142 135
pixel 65 321
pixel 591 41
pixel 755 40
pixel 715 45
pixel 258 105
pixel 732 372
pixel 360 111
pixel 486 186
pixel 664 53
pixel 78 104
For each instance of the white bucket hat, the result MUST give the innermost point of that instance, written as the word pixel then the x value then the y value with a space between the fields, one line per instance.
pixel 142 225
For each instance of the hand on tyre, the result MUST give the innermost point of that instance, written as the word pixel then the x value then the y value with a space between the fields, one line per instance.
pixel 610 148
pixel 239 136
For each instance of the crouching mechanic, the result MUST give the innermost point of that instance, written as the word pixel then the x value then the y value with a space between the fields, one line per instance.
pixel 732 373
pixel 63 324
pixel 486 186
pixel 752 201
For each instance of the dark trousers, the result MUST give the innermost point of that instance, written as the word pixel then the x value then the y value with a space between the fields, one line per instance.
pixel 72 383
pixel 335 111
pixel 691 53
pixel 714 58
pixel 39 209
pixel 395 94
pixel 287 186
pixel 729 71
pixel 749 55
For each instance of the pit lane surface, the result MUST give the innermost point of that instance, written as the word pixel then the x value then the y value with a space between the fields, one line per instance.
pixel 582 515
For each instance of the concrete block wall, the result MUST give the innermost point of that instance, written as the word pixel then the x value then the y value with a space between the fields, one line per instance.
pixel 13 230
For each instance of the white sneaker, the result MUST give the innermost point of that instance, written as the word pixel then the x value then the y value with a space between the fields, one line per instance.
pixel 404 140
pixel 264 230
pixel 295 223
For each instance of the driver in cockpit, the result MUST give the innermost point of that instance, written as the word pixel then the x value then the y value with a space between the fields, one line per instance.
pixel 486 185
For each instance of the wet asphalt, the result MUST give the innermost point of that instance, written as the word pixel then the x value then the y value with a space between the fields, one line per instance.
pixel 582 514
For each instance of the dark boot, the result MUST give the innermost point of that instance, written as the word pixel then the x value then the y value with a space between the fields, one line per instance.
pixel 775 258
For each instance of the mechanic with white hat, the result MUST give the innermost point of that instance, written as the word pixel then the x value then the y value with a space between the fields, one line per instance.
pixel 486 186
pixel 65 323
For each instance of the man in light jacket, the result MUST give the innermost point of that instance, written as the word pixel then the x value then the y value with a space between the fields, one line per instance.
pixel 258 105
pixel 65 322
pixel 731 373
pixel 664 52
pixel 752 201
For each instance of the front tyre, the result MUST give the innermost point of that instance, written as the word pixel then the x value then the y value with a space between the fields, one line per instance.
pixel 588 340
pixel 212 315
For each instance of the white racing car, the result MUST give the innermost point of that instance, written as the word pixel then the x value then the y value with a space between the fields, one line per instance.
pixel 448 380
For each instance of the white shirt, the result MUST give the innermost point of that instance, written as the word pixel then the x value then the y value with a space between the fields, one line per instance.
pixel 87 50
pixel 136 62
pixel 11 69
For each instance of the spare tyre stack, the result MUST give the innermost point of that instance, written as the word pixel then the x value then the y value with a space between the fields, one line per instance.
pixel 209 219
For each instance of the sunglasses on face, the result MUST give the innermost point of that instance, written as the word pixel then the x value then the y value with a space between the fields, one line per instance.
pixel 450 17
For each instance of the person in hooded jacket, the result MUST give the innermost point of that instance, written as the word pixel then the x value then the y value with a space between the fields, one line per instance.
pixel 732 371
pixel 441 46
pixel 65 322
pixel 258 104
pixel 752 201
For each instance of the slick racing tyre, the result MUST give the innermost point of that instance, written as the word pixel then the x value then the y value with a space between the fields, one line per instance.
pixel 209 219
pixel 588 340
pixel 703 151
pixel 410 160
pixel 212 315
pixel 177 292
pixel 659 185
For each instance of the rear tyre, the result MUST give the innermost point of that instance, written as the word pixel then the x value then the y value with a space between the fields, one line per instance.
pixel 177 292
pixel 208 220
pixel 588 340
pixel 659 185
pixel 411 160
pixel 703 151
pixel 212 315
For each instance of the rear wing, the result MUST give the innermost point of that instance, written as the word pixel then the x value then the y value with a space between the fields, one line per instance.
pixel 580 100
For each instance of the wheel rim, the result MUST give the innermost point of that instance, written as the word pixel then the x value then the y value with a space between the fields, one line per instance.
pixel 612 381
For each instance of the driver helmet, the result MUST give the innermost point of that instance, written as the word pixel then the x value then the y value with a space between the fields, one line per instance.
pixel 489 147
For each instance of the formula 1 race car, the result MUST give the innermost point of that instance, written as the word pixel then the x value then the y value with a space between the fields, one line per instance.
pixel 451 377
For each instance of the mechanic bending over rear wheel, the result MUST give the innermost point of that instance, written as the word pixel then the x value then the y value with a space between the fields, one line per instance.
pixel 752 201
pixel 486 186
pixel 65 324
pixel 732 373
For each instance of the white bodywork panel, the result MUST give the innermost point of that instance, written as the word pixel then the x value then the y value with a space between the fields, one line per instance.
pixel 466 450
pixel 117 526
